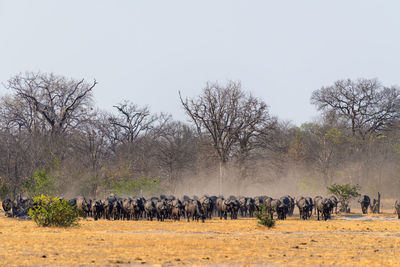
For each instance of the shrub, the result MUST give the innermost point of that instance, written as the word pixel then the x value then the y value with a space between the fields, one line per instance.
pixel 49 211
pixel 264 218
pixel 344 193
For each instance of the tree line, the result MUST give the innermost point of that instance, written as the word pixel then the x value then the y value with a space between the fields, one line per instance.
pixel 55 141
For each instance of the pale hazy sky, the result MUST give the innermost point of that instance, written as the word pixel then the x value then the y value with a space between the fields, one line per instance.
pixel 146 51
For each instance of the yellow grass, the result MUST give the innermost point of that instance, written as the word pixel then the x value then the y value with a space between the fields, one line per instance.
pixel 241 241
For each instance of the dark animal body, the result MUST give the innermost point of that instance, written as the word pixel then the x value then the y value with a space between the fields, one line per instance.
pixel 192 208
pixel 365 201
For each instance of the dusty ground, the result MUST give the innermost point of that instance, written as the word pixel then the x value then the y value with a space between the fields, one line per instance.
pixel 351 240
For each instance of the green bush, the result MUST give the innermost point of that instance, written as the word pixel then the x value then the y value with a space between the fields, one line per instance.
pixel 49 211
pixel 264 218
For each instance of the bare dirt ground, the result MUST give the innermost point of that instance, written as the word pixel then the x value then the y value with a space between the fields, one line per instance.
pixel 351 240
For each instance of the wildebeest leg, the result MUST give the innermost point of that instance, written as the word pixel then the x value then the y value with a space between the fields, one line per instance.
pixel 318 214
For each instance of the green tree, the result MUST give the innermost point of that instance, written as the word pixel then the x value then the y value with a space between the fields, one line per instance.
pixel 344 193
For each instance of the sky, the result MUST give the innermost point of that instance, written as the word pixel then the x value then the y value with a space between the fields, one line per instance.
pixel 148 51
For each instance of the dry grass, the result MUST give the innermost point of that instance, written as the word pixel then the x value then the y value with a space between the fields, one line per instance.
pixel 293 242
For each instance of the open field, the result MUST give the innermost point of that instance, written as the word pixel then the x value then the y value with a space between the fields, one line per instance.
pixel 351 240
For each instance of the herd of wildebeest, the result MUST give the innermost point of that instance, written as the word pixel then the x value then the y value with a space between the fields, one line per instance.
pixel 195 208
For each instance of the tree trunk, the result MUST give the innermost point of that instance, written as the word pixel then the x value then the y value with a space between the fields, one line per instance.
pixel 222 170
pixel 221 173
pixel 379 202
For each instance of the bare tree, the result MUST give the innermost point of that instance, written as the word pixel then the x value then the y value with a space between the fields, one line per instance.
pixel 327 149
pixel 255 133
pixel 228 116
pixel 19 114
pixel 91 145
pixel 130 121
pixel 63 103
pixel 365 105
pixel 177 151
pixel 217 112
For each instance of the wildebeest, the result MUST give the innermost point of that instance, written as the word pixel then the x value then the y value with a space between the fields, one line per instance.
pixel 223 207
pixel 171 207
pixel 150 210
pixel 246 206
pixel 310 206
pixel 82 205
pixel 177 209
pixel 7 207
pixel 397 208
pixel 374 206
pixel 324 207
pixel 285 207
pixel 258 201
pixel 206 206
pixel 292 204
pixel 20 206
pixel 126 208
pixel 273 206
pixel 250 206
pixel 97 209
pixel 161 210
pixel 193 210
pixel 218 206
pixel 364 201
pixel 112 208
pixel 243 206
pixel 335 203
pixel 234 206
pixel 315 203
pixel 304 207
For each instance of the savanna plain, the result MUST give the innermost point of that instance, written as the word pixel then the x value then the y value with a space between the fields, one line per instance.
pixel 350 240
